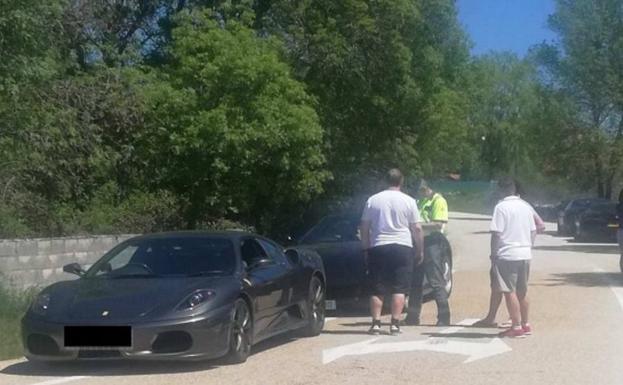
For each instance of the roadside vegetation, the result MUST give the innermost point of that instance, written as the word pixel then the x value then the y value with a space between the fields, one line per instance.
pixel 139 116
pixel 13 305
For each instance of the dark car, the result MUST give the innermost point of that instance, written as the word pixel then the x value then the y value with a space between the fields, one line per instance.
pixel 188 295
pixel 336 239
pixel 597 223
pixel 568 216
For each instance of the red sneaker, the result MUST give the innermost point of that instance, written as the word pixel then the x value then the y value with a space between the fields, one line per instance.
pixel 513 333
pixel 527 329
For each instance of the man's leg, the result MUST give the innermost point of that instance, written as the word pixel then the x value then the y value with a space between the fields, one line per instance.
pixel 398 305
pixel 512 303
pixel 376 306
pixel 495 300
pixel 494 305
pixel 524 308
pixel 436 270
pixel 508 274
pixel 415 297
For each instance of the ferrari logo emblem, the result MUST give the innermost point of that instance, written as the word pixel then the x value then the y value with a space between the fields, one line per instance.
pixel 104 313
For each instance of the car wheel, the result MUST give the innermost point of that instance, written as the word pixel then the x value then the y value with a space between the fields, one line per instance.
pixel 240 333
pixel 315 308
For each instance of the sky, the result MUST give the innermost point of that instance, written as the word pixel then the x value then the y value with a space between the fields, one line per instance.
pixel 506 25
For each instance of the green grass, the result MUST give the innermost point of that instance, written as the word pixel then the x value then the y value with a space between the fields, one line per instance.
pixel 466 197
pixel 13 305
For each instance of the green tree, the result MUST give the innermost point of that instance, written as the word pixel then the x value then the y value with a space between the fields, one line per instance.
pixel 585 64
pixel 232 133
pixel 503 98
pixel 379 69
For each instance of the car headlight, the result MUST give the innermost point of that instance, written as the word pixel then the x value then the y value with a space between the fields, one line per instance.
pixel 41 304
pixel 195 299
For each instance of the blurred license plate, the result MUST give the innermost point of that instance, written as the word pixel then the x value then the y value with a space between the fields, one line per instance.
pixel 613 225
pixel 98 336
pixel 330 304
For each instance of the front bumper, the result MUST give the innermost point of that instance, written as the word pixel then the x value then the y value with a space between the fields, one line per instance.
pixel 205 337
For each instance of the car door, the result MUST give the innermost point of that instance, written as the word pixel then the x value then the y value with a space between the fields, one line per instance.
pixel 268 279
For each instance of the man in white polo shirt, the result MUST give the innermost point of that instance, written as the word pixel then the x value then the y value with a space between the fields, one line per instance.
pixel 390 229
pixel 513 231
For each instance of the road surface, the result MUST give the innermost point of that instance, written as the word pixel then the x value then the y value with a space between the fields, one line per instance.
pixel 576 293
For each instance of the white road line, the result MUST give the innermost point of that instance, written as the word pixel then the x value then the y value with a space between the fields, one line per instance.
pixel 614 286
pixel 62 380
pixel 459 326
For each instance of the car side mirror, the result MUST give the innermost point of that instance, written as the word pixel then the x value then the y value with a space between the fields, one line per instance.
pixel 293 256
pixel 259 263
pixel 74 268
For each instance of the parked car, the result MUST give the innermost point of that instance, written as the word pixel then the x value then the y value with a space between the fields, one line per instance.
pixel 568 216
pixel 182 295
pixel 597 223
pixel 336 239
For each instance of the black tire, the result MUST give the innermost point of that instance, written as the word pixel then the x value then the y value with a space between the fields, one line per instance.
pixel 240 333
pixel 315 308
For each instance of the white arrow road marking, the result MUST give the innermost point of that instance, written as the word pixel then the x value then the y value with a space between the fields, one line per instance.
pixel 473 350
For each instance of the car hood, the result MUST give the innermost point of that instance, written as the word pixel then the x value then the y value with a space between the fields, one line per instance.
pixel 124 299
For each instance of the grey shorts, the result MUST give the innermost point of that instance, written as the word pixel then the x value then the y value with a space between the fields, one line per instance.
pixel 511 276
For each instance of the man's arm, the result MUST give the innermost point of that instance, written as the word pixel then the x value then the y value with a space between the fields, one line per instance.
pixel 364 229
pixel 495 244
pixel 418 240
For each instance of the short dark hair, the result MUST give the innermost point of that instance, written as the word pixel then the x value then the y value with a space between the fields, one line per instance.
pixel 394 178
pixel 507 186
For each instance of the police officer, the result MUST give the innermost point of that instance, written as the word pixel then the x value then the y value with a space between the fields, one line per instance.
pixel 434 213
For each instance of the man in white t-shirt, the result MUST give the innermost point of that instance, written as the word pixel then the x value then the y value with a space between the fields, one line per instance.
pixel 390 228
pixel 513 231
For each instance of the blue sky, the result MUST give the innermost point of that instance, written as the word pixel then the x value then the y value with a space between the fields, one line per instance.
pixel 506 25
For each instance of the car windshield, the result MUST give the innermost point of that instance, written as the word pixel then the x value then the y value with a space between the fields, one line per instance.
pixel 333 229
pixel 167 257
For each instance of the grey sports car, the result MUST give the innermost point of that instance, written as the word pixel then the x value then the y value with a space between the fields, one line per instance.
pixel 184 295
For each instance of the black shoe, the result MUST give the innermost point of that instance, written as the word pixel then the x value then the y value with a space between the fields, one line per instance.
pixel 375 329
pixel 394 329
pixel 443 323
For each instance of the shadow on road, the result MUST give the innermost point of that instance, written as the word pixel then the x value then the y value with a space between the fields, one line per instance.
pixel 587 279
pixel 129 367
pixel 462 335
pixel 582 248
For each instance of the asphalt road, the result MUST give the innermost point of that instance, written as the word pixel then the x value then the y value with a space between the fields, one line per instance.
pixel 576 293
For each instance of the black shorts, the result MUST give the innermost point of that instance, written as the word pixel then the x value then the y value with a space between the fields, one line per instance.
pixel 390 268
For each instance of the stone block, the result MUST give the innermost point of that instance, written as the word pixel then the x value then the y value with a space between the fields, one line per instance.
pixel 27 247
pixel 44 247
pixel 70 245
pixel 57 246
pixel 84 244
pixel 8 248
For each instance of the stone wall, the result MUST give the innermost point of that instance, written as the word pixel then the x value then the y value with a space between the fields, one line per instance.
pixel 26 263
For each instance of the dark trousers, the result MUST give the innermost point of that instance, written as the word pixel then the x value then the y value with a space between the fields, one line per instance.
pixel 433 270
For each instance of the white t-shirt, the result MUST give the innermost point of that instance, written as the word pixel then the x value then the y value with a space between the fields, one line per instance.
pixel 513 219
pixel 390 213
